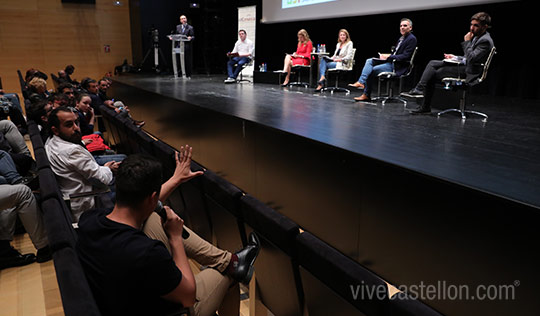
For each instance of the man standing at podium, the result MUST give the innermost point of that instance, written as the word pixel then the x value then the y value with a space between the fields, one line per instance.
pixel 185 29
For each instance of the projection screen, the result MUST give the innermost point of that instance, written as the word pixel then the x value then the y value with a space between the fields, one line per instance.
pixel 275 11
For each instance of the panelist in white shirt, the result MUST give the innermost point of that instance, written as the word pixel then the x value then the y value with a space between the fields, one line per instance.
pixel 240 55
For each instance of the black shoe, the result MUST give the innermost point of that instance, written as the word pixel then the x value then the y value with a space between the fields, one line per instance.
pixel 13 258
pixel 415 93
pixel 422 110
pixel 44 254
pixel 242 267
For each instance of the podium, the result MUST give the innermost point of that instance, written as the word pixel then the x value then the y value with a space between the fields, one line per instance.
pixel 180 40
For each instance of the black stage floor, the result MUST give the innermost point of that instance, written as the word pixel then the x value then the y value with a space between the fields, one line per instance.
pixel 500 156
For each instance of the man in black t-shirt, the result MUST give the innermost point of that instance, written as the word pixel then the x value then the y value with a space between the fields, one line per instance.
pixel 132 274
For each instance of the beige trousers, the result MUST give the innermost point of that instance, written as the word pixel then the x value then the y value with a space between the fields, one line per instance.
pixel 214 291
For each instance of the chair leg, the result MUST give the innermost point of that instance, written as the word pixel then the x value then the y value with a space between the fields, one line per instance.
pixel 462 110
pixel 299 81
pixel 389 94
pixel 336 88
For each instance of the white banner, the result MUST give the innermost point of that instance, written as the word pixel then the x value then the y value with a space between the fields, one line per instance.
pixel 247 17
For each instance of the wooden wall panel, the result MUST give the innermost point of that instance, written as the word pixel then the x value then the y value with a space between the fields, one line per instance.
pixel 48 35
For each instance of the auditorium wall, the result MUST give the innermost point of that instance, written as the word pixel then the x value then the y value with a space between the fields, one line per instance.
pixel 49 34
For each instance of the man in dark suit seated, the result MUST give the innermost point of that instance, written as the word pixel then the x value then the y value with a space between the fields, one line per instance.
pixel 187 30
pixel 398 61
pixel 476 46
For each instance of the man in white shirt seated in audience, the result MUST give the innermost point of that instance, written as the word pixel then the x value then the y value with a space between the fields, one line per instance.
pixel 74 166
pixel 240 55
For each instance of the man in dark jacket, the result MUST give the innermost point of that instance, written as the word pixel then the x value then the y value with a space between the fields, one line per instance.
pixel 398 61
pixel 185 29
pixel 476 46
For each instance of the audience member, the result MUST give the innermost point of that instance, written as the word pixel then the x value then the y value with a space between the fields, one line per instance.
pixel 69 71
pixel 58 99
pixel 37 88
pixel 34 73
pixel 136 263
pixel 13 98
pixel 75 167
pixel 8 109
pixel 123 111
pixel 14 138
pixel 39 112
pixel 17 200
pixel 85 113
pixel 90 86
pixel 67 89
pixel 62 77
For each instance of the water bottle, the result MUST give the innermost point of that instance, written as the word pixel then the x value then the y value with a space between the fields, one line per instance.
pixel 265 67
pixel 318 48
pixel 324 48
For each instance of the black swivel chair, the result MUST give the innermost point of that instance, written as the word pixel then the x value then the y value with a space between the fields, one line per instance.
pixel 390 77
pixel 339 70
pixel 298 69
pixel 461 84
pixel 244 66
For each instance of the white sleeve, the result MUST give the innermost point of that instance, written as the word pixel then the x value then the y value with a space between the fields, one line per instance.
pixel 235 49
pixel 82 162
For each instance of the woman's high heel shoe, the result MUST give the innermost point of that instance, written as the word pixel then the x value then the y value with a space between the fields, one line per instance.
pixel 321 85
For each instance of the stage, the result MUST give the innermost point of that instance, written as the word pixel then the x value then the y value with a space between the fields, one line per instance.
pixel 498 157
pixel 413 198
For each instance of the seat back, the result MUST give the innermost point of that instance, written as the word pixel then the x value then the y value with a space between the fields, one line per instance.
pixel 277 275
pixel 77 297
pixel 487 64
pixel 24 88
pixel 411 63
pixel 35 136
pixel 328 275
pixel 223 203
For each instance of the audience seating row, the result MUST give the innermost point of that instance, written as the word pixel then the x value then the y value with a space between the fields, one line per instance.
pixel 294 270
pixel 77 298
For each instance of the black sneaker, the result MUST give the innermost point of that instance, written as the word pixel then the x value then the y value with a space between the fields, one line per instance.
pixel 13 258
pixel 414 93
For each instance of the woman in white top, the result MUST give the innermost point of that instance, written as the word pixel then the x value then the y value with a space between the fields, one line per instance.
pixel 341 58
